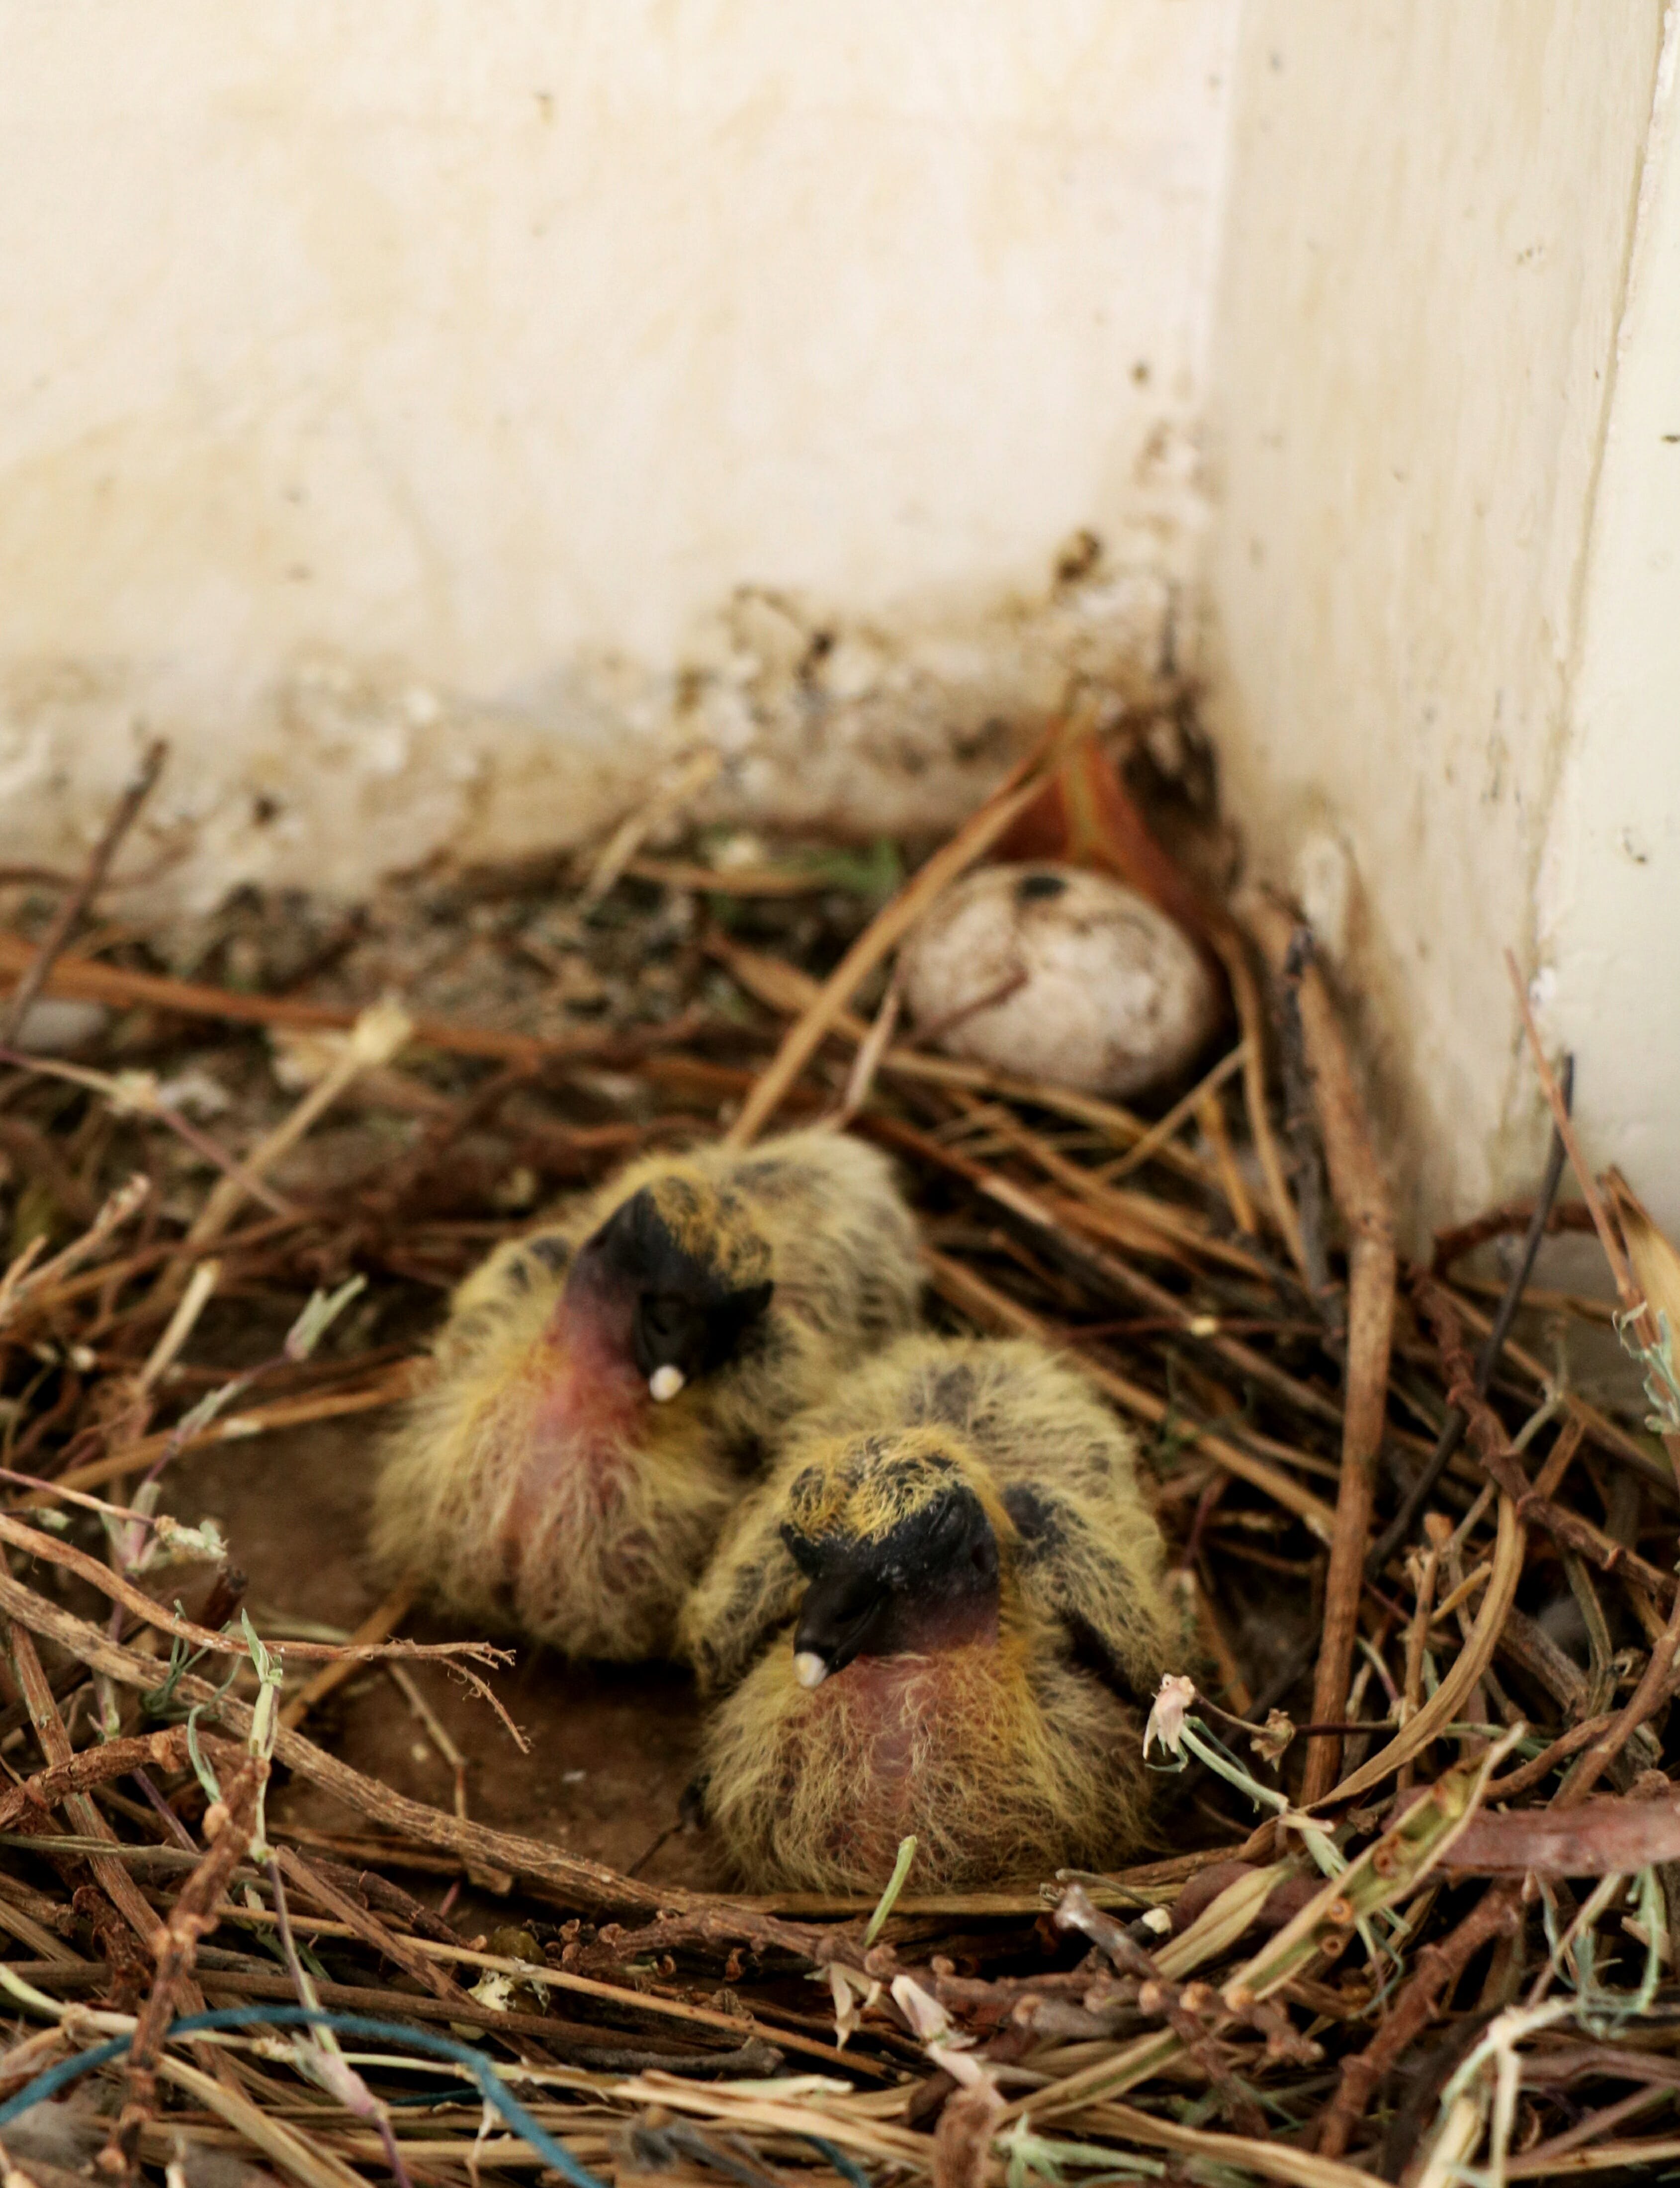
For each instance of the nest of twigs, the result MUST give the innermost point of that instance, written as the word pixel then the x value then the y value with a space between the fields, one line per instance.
pixel 1415 1897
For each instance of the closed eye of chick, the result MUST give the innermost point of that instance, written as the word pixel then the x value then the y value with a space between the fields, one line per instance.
pixel 935 1617
pixel 606 1388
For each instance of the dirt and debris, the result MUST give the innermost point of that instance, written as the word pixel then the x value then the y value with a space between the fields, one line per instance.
pixel 1416 1884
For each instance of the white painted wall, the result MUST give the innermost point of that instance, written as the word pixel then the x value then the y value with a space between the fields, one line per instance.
pixel 1425 260
pixel 1609 899
pixel 393 399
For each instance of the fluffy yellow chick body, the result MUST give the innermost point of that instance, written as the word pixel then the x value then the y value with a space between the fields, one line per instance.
pixel 606 1386
pixel 936 1615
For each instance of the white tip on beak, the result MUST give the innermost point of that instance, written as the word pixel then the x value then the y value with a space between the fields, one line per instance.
pixel 664 1383
pixel 810 1669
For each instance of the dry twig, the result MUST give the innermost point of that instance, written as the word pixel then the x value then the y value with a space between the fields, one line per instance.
pixel 1362 1197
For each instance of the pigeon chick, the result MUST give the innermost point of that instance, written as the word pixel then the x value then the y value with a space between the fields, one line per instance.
pixel 606 1387
pixel 934 1616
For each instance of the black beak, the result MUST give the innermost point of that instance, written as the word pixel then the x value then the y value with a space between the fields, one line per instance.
pixel 835 1621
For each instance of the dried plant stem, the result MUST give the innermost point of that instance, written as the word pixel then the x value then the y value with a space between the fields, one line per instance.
pixel 1540 1768
pixel 869 1051
pixel 176 1946
pixel 94 1766
pixel 399 1382
pixel 378 1625
pixel 1500 1462
pixel 1180 1113
pixel 1655 1684
pixel 376 1037
pixel 1417 1641
pixel 20 1283
pixel 295 2153
pixel 1245 994
pixel 1439 1968
pixel 1443 1706
pixel 690 777
pixel 965 1289
pixel 1631 1297
pixel 1452 1428
pixel 1606 1435
pixel 86 888
pixel 1210 1116
pixel 889 926
pixel 1361 1195
pixel 114 1881
pixel 139 1097
pixel 361 1923
pixel 122 1591
pixel 589 1884
pixel 1110 1271
pixel 85 977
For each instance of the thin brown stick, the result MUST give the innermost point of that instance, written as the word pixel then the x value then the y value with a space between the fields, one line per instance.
pixel 1438 1970
pixel 77 901
pixel 1499 1461
pixel 1245 994
pixel 1540 2162
pixel 1631 1296
pixel 20 1284
pixel 1361 1195
pixel 113 1879
pixel 1417 1641
pixel 379 1033
pixel 398 1383
pixel 1108 1268
pixel 1210 1116
pixel 176 1946
pixel 1511 1215
pixel 94 1766
pixel 294 2152
pixel 1605 1433
pixel 83 977
pixel 1462 1674
pixel 1158 1995
pixel 377 1626
pixel 365 1998
pixel 590 1885
pixel 121 1590
pixel 683 780
pixel 1136 1219
pixel 1182 1111
pixel 889 928
pixel 67 1290
pixel 970 1292
pixel 1549 1479
pixel 869 1051
pixel 397 1948
pixel 1647 1697
pixel 1539 1768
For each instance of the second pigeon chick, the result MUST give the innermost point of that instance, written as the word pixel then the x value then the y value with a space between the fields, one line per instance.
pixel 606 1388
pixel 935 1617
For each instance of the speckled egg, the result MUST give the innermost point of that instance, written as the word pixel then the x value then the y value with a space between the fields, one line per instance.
pixel 1056 973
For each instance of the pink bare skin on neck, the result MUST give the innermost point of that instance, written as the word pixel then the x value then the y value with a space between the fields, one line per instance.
pixel 879 1683
pixel 587 1416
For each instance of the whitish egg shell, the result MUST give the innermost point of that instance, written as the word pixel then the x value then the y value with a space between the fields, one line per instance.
pixel 1095 988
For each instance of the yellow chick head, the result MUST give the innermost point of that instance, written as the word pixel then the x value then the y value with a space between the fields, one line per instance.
pixel 672 1286
pixel 903 1545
